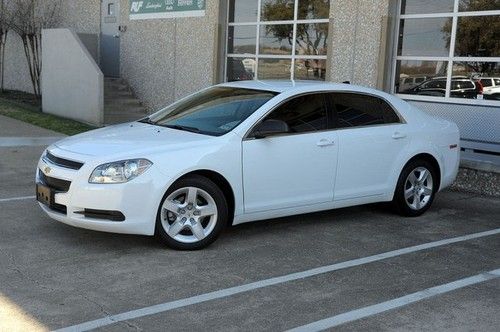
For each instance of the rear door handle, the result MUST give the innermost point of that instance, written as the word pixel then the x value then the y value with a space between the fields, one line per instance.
pixel 398 135
pixel 325 142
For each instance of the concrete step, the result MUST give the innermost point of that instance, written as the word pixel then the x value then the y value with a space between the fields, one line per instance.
pixel 120 104
pixel 122 101
pixel 108 93
pixel 111 119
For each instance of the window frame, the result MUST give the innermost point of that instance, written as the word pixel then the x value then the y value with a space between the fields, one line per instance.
pixel 330 112
pixel 257 56
pixel 449 60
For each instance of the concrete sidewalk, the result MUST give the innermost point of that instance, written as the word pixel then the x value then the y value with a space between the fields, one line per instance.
pixel 17 133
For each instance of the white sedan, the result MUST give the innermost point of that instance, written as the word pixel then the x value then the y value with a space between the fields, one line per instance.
pixel 245 151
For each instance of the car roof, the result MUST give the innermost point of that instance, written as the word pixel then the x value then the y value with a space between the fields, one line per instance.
pixel 287 85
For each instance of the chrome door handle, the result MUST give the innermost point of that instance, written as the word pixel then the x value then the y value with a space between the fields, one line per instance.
pixel 325 142
pixel 398 135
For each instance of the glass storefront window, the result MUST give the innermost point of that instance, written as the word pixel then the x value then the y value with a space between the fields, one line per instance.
pixel 276 39
pixel 243 10
pixel 425 78
pixel 242 39
pixel 311 39
pixel 425 36
pixel 478 5
pixel 426 6
pixel 277 10
pixel 284 39
pixel 484 75
pixel 448 49
pixel 240 69
pixel 274 69
pixel 313 9
pixel 478 36
pixel 309 69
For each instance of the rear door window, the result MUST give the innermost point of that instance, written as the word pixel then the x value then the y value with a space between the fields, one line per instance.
pixel 359 110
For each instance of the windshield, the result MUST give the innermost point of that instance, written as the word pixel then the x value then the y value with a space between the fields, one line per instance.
pixel 215 111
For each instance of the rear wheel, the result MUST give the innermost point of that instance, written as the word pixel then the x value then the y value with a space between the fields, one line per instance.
pixel 192 214
pixel 416 189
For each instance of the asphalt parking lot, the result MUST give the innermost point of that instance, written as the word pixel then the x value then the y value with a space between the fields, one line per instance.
pixel 342 270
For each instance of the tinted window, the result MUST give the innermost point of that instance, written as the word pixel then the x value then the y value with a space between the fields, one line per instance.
pixel 486 82
pixel 497 81
pixel 353 110
pixel 214 111
pixel 435 84
pixel 457 85
pixel 302 114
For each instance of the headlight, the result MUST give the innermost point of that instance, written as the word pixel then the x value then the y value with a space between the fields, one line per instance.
pixel 119 171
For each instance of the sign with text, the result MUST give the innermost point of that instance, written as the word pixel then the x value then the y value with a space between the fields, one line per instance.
pixel 153 9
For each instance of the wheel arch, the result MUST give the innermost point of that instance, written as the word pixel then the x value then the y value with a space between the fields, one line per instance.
pixel 432 160
pixel 221 182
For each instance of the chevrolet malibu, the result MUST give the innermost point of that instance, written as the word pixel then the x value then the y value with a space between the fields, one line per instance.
pixel 246 151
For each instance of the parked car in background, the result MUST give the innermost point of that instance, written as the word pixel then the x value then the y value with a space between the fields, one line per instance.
pixel 461 87
pixel 245 151
pixel 406 83
pixel 491 87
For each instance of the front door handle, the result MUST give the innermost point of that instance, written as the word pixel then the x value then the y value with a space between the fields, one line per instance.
pixel 398 135
pixel 325 142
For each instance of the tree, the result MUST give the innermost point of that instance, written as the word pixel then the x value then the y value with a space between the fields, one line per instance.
pixel 29 17
pixel 4 30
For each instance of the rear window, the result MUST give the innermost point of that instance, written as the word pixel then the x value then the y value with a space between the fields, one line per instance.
pixel 486 82
pixel 458 85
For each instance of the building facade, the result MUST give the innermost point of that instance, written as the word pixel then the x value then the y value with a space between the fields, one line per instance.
pixel 443 56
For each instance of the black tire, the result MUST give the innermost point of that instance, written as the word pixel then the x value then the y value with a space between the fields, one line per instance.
pixel 218 197
pixel 400 203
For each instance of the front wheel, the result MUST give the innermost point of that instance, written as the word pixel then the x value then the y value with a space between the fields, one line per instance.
pixel 192 214
pixel 416 188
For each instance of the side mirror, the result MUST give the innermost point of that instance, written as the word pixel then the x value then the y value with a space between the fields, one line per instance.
pixel 270 127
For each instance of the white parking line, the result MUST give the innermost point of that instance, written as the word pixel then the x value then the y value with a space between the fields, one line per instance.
pixel 167 306
pixel 378 308
pixel 2 200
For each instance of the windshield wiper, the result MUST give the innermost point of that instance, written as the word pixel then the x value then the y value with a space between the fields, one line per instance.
pixel 185 128
pixel 147 120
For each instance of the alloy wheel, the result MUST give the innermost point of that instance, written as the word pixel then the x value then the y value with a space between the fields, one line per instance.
pixel 419 188
pixel 189 214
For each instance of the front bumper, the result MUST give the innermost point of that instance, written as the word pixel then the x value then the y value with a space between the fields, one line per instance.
pixel 138 200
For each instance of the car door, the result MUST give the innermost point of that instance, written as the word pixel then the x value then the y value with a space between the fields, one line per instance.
pixel 371 138
pixel 294 168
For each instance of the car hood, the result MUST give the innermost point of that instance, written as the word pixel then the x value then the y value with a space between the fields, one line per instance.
pixel 130 138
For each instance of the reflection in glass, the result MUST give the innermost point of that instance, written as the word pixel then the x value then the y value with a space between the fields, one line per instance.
pixel 426 6
pixel 310 69
pixel 276 39
pixel 478 36
pixel 478 5
pixel 311 39
pixel 425 37
pixel 242 39
pixel 277 10
pixel 313 9
pixel 483 75
pixel 417 77
pixel 240 69
pixel 274 69
pixel 243 10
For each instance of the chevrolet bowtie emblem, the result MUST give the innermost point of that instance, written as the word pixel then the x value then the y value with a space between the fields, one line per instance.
pixel 47 170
